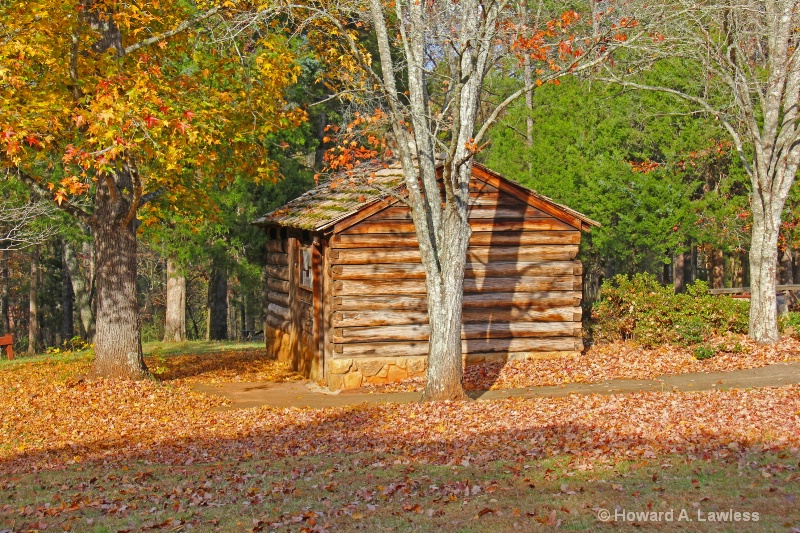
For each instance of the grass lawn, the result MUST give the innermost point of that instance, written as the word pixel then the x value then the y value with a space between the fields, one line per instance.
pixel 369 492
pixel 117 456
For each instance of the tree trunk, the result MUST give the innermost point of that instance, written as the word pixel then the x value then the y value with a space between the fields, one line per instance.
pixel 218 304
pixel 796 267
pixel 763 270
pixel 175 326
pixel 445 290
pixel 678 271
pixel 786 272
pixel 33 317
pixel 81 281
pixel 249 319
pixel 118 343
pixel 527 78
pixel 67 297
pixel 319 153
pixel 717 268
pixel 194 322
pixel 5 316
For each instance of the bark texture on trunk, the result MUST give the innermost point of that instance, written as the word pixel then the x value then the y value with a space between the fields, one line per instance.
pixel 445 291
pixel 763 271
pixel 678 273
pixel 175 325
pixel 737 269
pixel 796 266
pixel 33 317
pixel 717 268
pixel 5 315
pixel 118 344
pixel 787 273
pixel 218 304
pixel 67 308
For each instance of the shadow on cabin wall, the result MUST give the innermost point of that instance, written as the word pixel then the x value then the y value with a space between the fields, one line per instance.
pixel 478 320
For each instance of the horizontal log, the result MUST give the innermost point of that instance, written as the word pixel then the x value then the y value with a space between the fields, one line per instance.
pixel 494 198
pixel 277 323
pixel 276 245
pixel 411 348
pixel 477 224
pixel 419 332
pixel 480 186
pixel 280 298
pixel 481 254
pixel 279 311
pixel 278 285
pixel 478 238
pixel 414 286
pixel 521 314
pixel 543 344
pixel 473 270
pixel 497 238
pixel 277 258
pixel 494 212
pixel 537 301
pixel 277 272
pixel 344 319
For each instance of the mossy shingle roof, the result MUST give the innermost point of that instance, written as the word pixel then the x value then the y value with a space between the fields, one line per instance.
pixel 335 200
pixel 341 197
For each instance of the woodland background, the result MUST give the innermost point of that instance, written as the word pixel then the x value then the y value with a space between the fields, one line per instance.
pixel 664 182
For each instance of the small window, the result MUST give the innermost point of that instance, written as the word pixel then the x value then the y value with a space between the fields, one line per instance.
pixel 306 270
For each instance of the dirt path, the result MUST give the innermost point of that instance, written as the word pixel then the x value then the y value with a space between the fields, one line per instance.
pixel 309 395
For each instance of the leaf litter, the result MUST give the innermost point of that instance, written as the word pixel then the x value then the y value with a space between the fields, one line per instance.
pixel 618 360
pixel 52 422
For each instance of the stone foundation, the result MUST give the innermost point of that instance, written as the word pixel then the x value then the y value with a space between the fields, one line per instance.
pixel 349 374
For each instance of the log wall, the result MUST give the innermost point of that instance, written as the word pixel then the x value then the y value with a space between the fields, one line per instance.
pixel 290 329
pixel 522 290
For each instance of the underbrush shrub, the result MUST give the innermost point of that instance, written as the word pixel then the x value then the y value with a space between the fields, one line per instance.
pixel 639 308
pixel 790 323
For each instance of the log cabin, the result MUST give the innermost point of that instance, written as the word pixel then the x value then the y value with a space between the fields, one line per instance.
pixel 346 289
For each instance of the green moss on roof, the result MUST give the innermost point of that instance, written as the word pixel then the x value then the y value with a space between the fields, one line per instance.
pixel 334 200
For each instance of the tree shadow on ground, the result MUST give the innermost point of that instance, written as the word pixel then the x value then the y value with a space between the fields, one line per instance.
pixel 592 429
pixel 255 364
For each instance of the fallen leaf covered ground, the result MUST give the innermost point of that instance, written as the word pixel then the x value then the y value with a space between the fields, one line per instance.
pixel 51 422
pixel 49 419
pixel 221 367
pixel 619 360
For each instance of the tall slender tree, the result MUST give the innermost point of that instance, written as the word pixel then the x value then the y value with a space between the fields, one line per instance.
pixel 432 59
pixel 748 64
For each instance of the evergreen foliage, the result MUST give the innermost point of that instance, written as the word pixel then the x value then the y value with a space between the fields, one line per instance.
pixel 640 309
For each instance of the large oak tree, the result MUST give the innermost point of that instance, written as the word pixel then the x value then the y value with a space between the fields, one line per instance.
pixel 108 105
